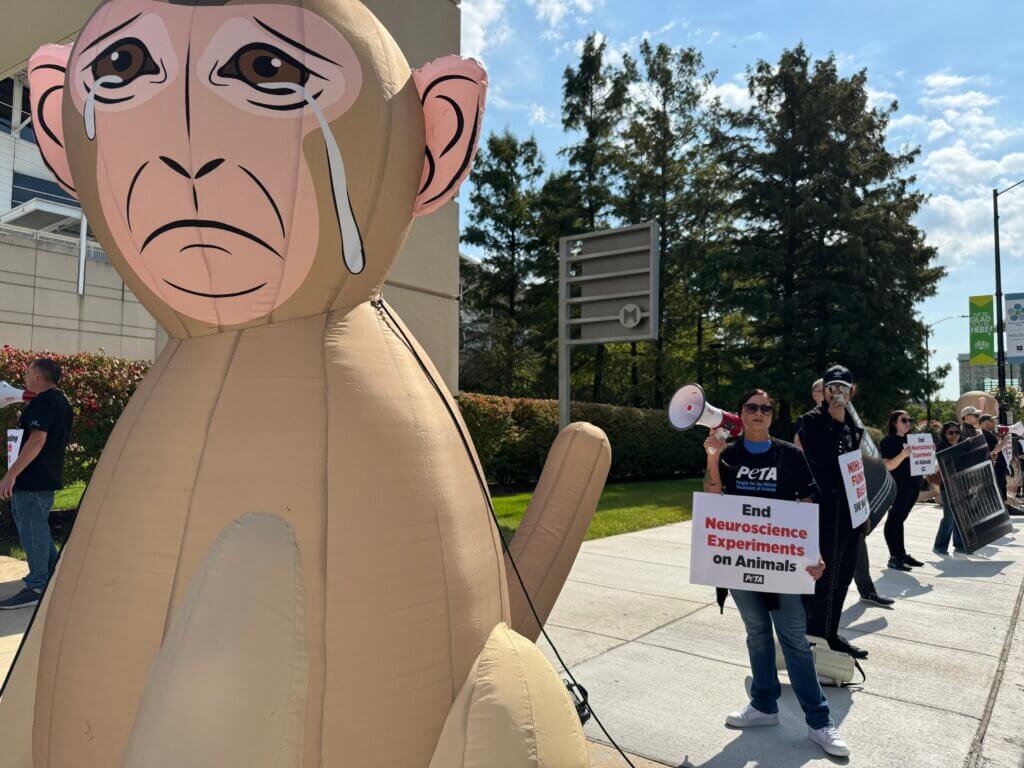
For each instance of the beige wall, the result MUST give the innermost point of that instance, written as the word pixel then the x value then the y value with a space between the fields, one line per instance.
pixel 40 308
pixel 423 285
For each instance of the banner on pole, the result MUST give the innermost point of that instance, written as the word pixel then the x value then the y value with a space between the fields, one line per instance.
pixel 851 465
pixel 762 545
pixel 1014 323
pixel 983 350
pixel 922 455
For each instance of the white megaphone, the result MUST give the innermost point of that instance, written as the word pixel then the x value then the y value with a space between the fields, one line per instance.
pixel 9 395
pixel 689 408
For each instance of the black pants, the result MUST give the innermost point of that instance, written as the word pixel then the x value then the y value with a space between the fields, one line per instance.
pixel 862 576
pixel 906 495
pixel 840 555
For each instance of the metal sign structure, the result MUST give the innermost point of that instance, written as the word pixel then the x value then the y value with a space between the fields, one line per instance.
pixel 607 293
pixel 970 483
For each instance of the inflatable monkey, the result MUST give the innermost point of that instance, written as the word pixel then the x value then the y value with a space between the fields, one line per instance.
pixel 286 555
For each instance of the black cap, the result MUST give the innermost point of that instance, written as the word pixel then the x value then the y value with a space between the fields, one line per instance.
pixel 837 374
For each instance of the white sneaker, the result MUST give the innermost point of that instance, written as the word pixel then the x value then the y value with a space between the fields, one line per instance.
pixel 828 739
pixel 751 717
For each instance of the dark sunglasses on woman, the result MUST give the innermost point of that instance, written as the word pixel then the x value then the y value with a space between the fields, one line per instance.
pixel 903 420
pixel 765 408
pixel 953 432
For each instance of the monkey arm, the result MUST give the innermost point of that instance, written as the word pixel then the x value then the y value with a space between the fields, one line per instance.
pixel 556 520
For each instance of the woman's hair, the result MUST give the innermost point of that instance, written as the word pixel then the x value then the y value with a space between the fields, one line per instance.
pixel 747 395
pixel 893 418
pixel 945 427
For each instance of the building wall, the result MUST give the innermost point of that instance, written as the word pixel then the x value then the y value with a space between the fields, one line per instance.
pixel 39 306
pixel 984 377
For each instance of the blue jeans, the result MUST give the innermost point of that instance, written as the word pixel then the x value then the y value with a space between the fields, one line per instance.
pixel 790 622
pixel 31 510
pixel 947 528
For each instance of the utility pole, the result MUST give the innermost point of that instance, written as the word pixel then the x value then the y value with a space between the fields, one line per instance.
pixel 1000 352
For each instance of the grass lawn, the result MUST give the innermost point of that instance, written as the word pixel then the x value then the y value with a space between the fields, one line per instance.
pixel 624 507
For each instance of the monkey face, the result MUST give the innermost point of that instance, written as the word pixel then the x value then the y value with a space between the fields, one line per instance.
pixel 247 162
pixel 198 117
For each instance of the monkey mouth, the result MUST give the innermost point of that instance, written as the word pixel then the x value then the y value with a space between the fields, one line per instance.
pixel 233 295
pixel 207 224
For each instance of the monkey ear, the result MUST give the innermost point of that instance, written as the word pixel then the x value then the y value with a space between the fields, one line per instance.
pixel 46 70
pixel 453 91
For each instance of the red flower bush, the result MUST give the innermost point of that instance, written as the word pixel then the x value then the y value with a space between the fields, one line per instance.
pixel 98 387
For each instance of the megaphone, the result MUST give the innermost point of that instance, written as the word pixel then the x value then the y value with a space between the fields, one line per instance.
pixel 9 395
pixel 689 407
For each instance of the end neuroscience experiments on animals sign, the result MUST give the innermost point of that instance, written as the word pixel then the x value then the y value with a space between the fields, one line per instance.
pixel 762 545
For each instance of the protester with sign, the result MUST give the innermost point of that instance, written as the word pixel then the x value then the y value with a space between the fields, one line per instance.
pixel 827 433
pixel 36 475
pixel 947 528
pixel 759 466
pixel 987 422
pixel 896 453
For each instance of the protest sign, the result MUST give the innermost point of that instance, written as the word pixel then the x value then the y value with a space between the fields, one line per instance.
pixel 851 466
pixel 922 455
pixel 971 493
pixel 13 445
pixel 763 545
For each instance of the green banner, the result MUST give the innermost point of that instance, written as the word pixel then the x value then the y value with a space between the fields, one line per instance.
pixel 983 346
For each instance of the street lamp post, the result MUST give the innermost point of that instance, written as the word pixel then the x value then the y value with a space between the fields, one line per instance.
pixel 927 365
pixel 1000 353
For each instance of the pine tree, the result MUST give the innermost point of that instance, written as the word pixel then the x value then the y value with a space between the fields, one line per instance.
pixel 828 265
pixel 593 99
pixel 502 207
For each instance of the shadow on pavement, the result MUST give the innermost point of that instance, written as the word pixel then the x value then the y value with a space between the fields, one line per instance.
pixel 777 746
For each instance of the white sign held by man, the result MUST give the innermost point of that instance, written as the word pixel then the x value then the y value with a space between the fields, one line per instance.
pixel 851 466
pixel 922 455
pixel 13 445
pixel 762 545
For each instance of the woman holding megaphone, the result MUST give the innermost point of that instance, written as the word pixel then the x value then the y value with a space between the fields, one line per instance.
pixel 759 465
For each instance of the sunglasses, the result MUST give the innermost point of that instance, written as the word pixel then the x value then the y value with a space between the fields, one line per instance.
pixel 952 431
pixel 903 420
pixel 766 408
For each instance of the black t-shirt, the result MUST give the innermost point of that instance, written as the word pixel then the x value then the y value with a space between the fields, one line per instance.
pixel 48 412
pixel 891 447
pixel 781 472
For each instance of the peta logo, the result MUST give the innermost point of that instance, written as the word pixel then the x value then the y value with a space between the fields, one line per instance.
pixel 762 473
pixel 753 578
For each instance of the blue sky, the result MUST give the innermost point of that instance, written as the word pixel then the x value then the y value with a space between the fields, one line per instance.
pixel 954 68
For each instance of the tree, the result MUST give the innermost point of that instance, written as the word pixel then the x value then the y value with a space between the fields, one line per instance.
pixel 593 99
pixel 502 206
pixel 828 265
pixel 660 144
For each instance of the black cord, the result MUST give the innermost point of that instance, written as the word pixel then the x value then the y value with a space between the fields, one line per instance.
pixel 379 303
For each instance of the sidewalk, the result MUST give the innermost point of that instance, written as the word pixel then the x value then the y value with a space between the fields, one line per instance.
pixel 945 674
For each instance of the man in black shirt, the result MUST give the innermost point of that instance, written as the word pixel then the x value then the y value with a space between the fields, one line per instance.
pixel 987 422
pixel 826 433
pixel 32 480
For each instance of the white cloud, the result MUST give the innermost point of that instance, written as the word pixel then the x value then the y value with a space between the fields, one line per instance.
pixel 665 29
pixel 754 37
pixel 880 99
pixel 939 128
pixel 961 228
pixel 483 26
pixel 714 36
pixel 960 167
pixel 540 116
pixel 965 100
pixel 906 121
pixel 942 81
pixel 734 95
pixel 553 12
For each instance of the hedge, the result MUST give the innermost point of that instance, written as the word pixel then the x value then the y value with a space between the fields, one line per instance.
pixel 513 436
pixel 98 387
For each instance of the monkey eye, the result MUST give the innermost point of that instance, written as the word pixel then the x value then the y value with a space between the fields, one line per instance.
pixel 263 66
pixel 127 59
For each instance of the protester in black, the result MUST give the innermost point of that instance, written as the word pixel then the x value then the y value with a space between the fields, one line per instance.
pixel 987 422
pixel 897 460
pixel 825 434
pixel 758 465
pixel 969 422
pixel 32 480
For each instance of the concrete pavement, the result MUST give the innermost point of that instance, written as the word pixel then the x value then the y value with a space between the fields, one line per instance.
pixel 945 674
